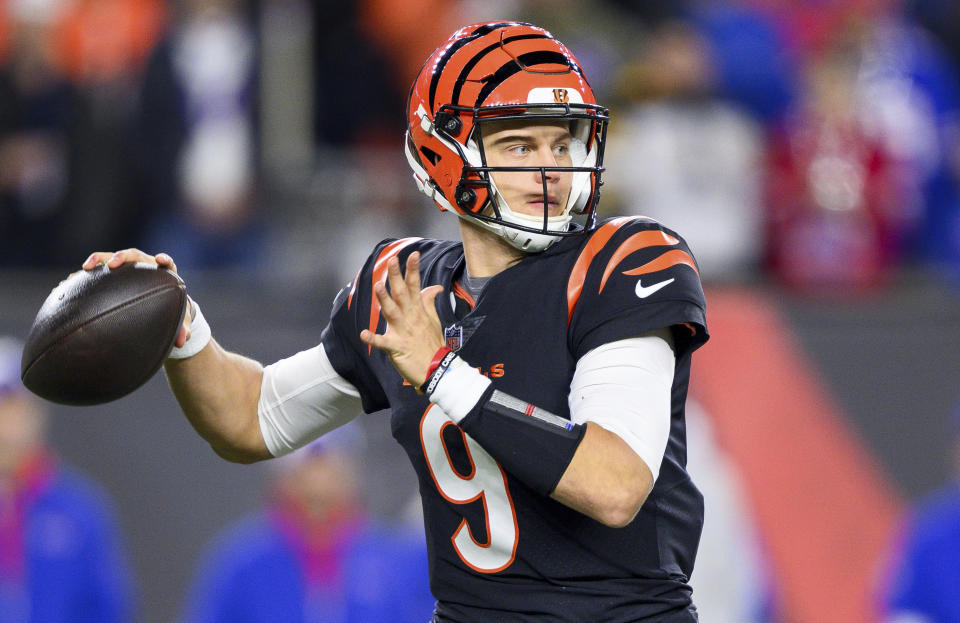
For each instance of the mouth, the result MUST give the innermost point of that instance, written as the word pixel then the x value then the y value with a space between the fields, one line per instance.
pixel 536 201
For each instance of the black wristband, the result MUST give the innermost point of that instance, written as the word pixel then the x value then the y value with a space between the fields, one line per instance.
pixel 431 383
pixel 532 444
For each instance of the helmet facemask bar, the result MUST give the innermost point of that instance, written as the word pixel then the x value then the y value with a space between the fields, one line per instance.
pixel 588 124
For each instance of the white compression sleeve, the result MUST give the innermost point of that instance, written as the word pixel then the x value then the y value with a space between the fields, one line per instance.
pixel 625 387
pixel 301 398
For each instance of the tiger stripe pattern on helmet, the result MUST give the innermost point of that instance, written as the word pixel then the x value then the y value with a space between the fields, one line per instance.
pixel 489 72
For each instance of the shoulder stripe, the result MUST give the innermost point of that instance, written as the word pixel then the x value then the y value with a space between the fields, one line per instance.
pixel 597 241
pixel 664 261
pixel 380 275
pixel 641 240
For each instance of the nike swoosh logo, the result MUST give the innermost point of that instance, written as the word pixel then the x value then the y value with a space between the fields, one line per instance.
pixel 645 291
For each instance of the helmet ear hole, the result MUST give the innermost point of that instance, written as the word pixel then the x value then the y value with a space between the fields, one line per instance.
pixel 430 155
pixel 466 197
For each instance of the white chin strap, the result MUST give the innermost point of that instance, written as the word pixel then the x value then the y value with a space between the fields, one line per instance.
pixel 526 241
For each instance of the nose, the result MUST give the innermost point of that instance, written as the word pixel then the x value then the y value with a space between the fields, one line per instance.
pixel 546 158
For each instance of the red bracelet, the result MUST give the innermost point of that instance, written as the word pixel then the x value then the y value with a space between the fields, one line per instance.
pixel 435 362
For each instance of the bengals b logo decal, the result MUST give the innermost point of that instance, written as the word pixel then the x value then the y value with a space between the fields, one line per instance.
pixel 561 96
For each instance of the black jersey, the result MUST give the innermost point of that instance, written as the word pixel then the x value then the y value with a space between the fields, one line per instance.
pixel 498 550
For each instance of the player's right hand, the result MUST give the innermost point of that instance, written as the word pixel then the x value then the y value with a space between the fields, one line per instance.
pixel 118 258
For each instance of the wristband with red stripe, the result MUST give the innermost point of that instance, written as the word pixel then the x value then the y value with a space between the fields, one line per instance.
pixel 440 359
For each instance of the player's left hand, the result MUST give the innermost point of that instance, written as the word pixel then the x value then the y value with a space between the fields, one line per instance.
pixel 414 333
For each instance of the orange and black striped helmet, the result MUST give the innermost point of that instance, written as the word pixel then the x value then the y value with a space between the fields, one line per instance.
pixel 492 72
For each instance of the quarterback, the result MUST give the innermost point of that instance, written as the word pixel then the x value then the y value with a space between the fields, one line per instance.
pixel 536 370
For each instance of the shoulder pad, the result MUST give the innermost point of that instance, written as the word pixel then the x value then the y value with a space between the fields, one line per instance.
pixel 633 276
pixel 375 268
pixel 628 247
pixel 374 271
pixel 356 308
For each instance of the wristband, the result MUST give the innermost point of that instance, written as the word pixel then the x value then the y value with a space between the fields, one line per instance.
pixel 199 335
pixel 459 390
pixel 441 360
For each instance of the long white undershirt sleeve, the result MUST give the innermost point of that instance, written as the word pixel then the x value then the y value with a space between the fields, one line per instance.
pixel 625 387
pixel 301 398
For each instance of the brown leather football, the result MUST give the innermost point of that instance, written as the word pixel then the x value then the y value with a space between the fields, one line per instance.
pixel 103 333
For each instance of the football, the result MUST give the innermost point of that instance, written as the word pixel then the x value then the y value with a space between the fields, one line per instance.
pixel 103 333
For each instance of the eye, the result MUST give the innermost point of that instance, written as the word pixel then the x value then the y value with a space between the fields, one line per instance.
pixel 519 150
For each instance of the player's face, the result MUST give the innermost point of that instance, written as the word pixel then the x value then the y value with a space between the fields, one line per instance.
pixel 519 143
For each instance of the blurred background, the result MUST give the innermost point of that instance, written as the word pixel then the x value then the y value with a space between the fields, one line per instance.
pixel 809 151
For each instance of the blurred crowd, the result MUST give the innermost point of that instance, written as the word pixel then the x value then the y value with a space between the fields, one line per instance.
pixel 63 556
pixel 311 553
pixel 815 144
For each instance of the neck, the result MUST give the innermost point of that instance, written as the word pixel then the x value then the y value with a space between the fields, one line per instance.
pixel 486 253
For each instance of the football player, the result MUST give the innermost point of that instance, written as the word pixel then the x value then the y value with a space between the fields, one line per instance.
pixel 536 369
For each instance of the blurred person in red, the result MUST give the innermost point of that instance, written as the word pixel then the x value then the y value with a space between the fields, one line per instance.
pixel 834 207
pixel 864 174
pixel 925 581
pixel 312 555
pixel 61 557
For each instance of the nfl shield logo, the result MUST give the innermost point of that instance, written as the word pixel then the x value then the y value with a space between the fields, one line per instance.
pixel 453 336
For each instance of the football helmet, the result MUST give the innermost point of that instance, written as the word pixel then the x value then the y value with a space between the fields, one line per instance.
pixel 492 72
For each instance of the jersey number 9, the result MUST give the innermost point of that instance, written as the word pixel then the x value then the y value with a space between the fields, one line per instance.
pixel 486 483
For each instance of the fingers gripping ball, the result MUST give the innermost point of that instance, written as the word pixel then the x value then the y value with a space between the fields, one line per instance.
pixel 103 333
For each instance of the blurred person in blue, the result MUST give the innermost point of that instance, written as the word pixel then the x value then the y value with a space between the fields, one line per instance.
pixel 909 89
pixel 312 555
pixel 925 581
pixel 61 556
